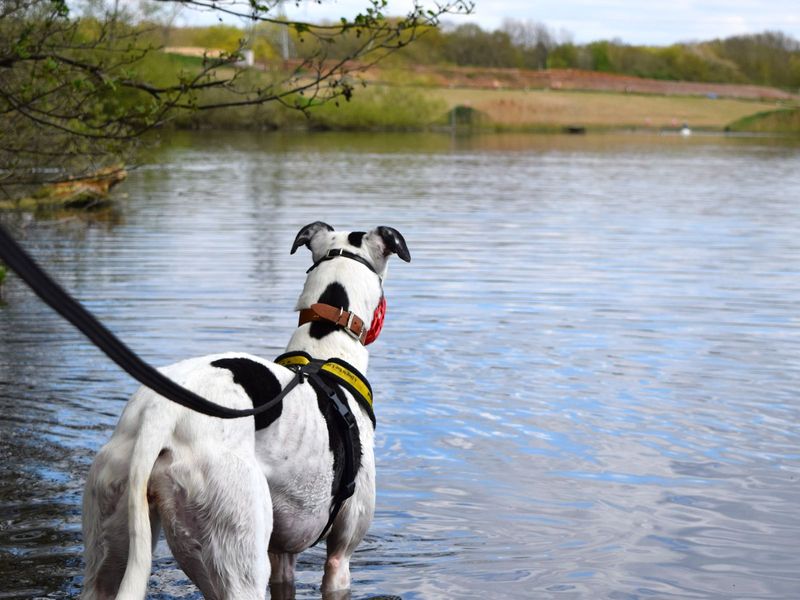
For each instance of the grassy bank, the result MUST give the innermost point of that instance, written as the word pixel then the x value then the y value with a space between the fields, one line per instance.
pixel 554 110
pixel 375 107
pixel 784 121
pixel 403 98
pixel 409 107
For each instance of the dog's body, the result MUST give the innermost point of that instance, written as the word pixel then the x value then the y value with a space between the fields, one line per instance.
pixel 237 503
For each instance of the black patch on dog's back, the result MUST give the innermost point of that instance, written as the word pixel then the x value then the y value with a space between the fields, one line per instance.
pixel 336 440
pixel 356 237
pixel 259 383
pixel 335 295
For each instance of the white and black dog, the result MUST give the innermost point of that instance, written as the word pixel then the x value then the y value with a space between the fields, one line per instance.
pixel 238 500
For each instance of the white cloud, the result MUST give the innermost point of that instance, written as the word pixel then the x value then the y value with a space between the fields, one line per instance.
pixel 651 22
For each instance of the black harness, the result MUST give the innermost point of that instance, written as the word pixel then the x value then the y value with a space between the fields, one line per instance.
pixel 329 378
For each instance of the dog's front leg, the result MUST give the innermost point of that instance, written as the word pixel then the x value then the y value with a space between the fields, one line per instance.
pixel 346 534
pixel 336 581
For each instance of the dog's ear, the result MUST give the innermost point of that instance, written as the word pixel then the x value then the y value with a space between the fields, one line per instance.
pixel 393 242
pixel 307 233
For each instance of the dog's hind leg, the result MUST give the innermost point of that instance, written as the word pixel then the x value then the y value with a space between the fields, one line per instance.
pixel 105 523
pixel 281 579
pixel 283 564
pixel 216 514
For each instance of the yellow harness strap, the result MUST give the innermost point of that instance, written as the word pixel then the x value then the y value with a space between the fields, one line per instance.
pixel 293 359
pixel 345 374
pixel 338 368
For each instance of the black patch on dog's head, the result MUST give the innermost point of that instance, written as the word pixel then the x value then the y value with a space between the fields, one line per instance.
pixel 356 237
pixel 335 295
pixel 259 383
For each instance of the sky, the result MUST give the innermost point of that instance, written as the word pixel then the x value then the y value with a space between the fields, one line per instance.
pixel 652 22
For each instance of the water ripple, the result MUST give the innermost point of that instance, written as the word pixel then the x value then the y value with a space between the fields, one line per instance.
pixel 586 387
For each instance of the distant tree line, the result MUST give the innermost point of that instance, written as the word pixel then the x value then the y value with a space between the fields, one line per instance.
pixel 769 58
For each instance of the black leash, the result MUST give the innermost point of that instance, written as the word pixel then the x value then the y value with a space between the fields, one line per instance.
pixel 60 301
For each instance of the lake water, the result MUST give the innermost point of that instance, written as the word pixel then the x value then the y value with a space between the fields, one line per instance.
pixel 587 385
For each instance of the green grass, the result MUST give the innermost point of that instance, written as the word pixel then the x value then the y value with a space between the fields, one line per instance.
pixel 375 107
pixel 379 108
pixel 407 107
pixel 784 121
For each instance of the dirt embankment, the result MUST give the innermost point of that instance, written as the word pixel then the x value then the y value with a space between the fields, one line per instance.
pixel 571 79
pixel 483 78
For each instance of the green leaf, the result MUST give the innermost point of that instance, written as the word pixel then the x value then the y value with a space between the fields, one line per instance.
pixel 60 7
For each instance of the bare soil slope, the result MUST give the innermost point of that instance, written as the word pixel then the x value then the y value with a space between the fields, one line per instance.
pixel 571 79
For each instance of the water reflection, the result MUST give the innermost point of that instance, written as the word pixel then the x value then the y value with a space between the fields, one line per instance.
pixel 586 386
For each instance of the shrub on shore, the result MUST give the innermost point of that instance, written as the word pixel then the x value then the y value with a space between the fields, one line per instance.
pixel 372 108
pixel 379 107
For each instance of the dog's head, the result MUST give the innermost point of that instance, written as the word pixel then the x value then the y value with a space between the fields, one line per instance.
pixel 347 272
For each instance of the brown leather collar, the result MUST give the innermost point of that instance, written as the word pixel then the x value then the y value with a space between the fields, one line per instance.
pixel 349 321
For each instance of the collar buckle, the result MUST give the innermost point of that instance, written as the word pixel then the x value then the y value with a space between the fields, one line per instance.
pixel 349 328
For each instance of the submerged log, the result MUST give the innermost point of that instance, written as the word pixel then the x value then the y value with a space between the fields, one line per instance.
pixel 86 192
